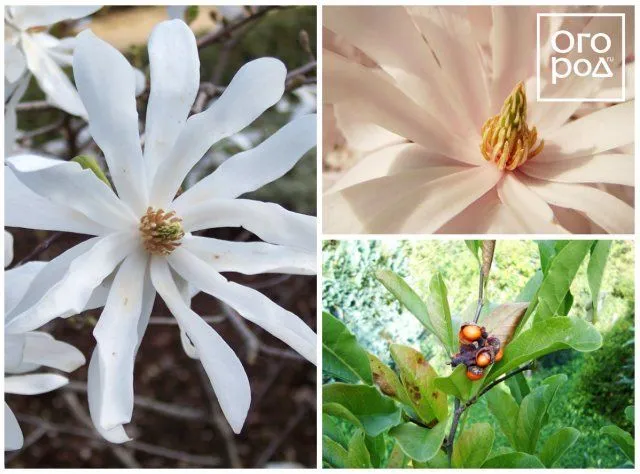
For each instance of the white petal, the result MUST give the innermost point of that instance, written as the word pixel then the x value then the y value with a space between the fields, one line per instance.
pixel 51 78
pixel 251 258
pixel 24 208
pixel 252 169
pixel 107 85
pixel 14 62
pixel 94 397
pixel 12 95
pixel 67 184
pixel 225 371
pixel 612 214
pixel 41 349
pixel 13 438
pixel 600 131
pixel 535 214
pixel 117 339
pixel 188 346
pixel 250 303
pixel 69 293
pixel 8 248
pixel 257 86
pixel 423 208
pixel 13 350
pixel 175 77
pixel 33 384
pixel 17 282
pixel 40 15
pixel 393 160
pixel 360 133
pixel 269 221
pixel 606 168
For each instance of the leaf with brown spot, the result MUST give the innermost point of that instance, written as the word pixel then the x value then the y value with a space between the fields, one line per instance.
pixel 417 376
pixel 503 321
pixel 387 380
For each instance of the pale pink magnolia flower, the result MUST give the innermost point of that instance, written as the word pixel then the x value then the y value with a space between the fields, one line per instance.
pixel 442 73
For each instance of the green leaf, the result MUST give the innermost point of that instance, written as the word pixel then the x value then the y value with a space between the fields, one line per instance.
pixel 191 14
pixel 397 458
pixel 440 314
pixel 457 384
pixel 547 250
pixel 505 410
pixel 623 439
pixel 332 430
pixel 532 415
pixel 474 246
pixel 410 300
pixel 629 413
pixel 528 293
pixel 374 412
pixel 357 453
pixel 339 411
pixel 342 356
pixel 518 387
pixel 387 380
pixel 439 461
pixel 377 449
pixel 595 271
pixel 473 446
pixel 417 377
pixel 557 444
pixel 513 460
pixel 90 163
pixel 545 337
pixel 417 442
pixel 333 454
pixel 561 272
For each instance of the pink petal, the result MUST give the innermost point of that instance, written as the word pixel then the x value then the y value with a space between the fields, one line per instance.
pixel 607 168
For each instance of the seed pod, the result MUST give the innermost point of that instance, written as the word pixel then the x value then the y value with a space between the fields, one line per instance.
pixel 469 333
pixel 494 342
pixel 499 355
pixel 474 372
pixel 484 357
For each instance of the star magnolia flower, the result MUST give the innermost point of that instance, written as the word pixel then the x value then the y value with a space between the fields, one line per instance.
pixel 29 351
pixel 144 240
pixel 456 143
pixel 27 45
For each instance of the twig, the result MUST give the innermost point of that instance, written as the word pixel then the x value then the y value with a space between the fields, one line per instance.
pixel 454 426
pixel 220 421
pixel 172 321
pixel 216 36
pixel 42 130
pixel 277 441
pixel 34 436
pixel 497 381
pixel 33 105
pixel 41 247
pixel 250 339
pixel 269 283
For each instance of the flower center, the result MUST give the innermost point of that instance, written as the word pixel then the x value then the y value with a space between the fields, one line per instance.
pixel 506 138
pixel 161 231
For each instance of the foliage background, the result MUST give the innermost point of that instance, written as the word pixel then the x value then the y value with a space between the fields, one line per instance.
pixel 600 384
pixel 274 431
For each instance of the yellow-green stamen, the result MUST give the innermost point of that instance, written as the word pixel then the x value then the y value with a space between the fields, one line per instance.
pixel 161 232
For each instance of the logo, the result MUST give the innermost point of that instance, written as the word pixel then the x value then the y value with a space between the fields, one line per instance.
pixel 582 59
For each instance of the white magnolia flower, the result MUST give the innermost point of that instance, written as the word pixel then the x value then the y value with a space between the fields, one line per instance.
pixel 28 46
pixel 144 242
pixel 454 142
pixel 27 352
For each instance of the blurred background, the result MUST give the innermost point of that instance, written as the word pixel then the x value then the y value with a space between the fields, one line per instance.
pixel 177 421
pixel 601 383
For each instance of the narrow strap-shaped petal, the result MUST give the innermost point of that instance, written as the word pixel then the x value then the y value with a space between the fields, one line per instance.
pixel 257 86
pixel 600 131
pixel 269 221
pixel 611 168
pixel 250 303
pixel 226 374
pixel 251 258
pixel 51 78
pixel 33 384
pixel 117 338
pixel 175 77
pixel 252 169
pixel 41 349
pixel 13 438
pixel 28 16
pixel 67 184
pixel 107 84
pixel 612 214
pixel 69 293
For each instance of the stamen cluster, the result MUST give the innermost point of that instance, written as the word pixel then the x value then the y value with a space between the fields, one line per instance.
pixel 161 231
